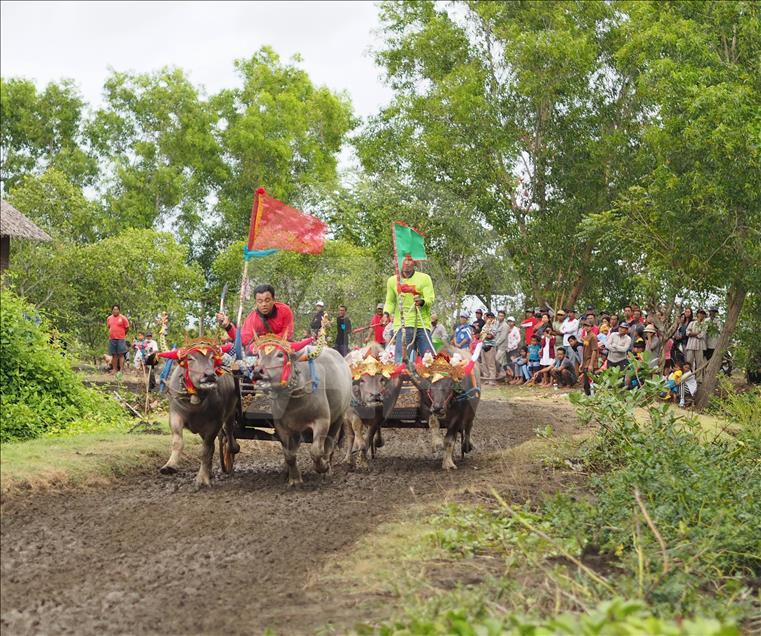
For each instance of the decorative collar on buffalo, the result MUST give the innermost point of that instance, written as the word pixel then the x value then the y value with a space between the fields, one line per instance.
pixel 268 343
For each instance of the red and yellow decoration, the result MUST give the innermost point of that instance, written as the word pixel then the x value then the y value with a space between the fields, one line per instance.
pixel 371 366
pixel 269 343
pixel 442 366
pixel 203 346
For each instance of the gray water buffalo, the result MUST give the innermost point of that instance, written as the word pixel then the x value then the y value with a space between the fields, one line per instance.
pixel 201 399
pixel 305 395
pixel 450 395
pixel 375 389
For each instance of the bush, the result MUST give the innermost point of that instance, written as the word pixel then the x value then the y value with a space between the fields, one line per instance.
pixel 702 494
pixel 742 408
pixel 612 618
pixel 39 392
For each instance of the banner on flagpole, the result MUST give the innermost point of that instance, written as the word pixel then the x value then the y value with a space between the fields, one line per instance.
pixel 277 226
pixel 408 242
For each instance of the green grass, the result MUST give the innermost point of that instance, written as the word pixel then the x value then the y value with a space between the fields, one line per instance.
pixel 84 459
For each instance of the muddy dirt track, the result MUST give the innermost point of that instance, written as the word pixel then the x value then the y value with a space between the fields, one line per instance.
pixel 151 556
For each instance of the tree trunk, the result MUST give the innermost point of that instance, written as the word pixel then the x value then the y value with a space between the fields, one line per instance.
pixel 735 300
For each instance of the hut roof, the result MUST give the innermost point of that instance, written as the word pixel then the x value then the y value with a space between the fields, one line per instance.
pixel 13 223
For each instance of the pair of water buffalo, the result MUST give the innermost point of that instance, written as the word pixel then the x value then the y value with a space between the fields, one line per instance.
pixel 314 395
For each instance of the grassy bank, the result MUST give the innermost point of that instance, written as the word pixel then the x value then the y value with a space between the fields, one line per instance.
pixel 643 525
pixel 77 460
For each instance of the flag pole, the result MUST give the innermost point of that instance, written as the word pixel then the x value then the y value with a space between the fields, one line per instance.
pixel 256 213
pixel 399 298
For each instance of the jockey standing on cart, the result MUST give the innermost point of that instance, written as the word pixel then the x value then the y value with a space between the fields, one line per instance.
pixel 410 297
pixel 269 317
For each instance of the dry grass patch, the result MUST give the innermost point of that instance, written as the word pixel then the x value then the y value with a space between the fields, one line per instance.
pixel 80 460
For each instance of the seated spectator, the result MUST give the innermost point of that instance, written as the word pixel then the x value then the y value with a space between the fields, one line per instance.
pixel 689 384
pixel 574 351
pixel 521 367
pixel 563 371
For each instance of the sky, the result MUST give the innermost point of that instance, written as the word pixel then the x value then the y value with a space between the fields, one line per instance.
pixel 47 41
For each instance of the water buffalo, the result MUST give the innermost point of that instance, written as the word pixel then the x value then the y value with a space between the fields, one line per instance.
pixel 305 395
pixel 450 395
pixel 202 399
pixel 375 389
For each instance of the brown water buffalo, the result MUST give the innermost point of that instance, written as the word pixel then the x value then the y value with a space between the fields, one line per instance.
pixel 202 399
pixel 305 395
pixel 450 396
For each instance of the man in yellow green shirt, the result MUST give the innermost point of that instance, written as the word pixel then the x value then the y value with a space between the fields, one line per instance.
pixel 411 297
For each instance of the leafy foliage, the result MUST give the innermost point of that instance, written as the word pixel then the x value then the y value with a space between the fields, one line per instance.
pixel 702 494
pixel 611 618
pixel 40 130
pixel 144 271
pixel 279 131
pixel 39 392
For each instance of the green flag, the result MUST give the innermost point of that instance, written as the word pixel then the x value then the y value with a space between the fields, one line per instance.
pixel 407 240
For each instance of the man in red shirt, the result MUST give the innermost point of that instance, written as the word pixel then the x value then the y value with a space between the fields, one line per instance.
pixel 377 325
pixel 269 317
pixel 529 324
pixel 118 326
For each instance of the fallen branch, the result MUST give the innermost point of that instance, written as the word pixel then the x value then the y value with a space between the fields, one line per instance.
pixel 126 404
pixel 651 525
pixel 588 571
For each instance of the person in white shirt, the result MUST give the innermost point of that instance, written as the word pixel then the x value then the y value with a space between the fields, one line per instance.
pixel 570 327
pixel 513 339
pixel 618 346
pixel 150 359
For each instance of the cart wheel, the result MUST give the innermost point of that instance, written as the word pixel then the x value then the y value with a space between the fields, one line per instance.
pixel 226 456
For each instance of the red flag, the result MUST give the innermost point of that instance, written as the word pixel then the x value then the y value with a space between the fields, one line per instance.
pixel 274 225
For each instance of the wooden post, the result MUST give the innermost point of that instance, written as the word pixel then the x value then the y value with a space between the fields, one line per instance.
pixel 5 250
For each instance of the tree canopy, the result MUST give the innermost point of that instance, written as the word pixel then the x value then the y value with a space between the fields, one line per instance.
pixel 559 152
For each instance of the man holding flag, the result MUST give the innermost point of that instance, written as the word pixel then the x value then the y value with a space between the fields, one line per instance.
pixel 274 226
pixel 409 294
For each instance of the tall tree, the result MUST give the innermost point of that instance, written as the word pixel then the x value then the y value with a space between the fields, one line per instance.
pixel 155 136
pixel 40 130
pixel 699 204
pixel 520 111
pixel 279 131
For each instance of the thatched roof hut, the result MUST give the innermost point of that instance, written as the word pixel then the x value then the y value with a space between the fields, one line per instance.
pixel 13 223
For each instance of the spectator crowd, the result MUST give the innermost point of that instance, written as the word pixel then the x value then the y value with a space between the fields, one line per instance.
pixel 564 348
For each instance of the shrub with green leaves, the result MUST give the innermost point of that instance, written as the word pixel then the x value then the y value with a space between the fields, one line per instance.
pixel 616 617
pixel 701 492
pixel 39 392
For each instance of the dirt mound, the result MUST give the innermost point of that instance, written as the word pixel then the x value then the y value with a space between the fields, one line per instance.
pixel 153 556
